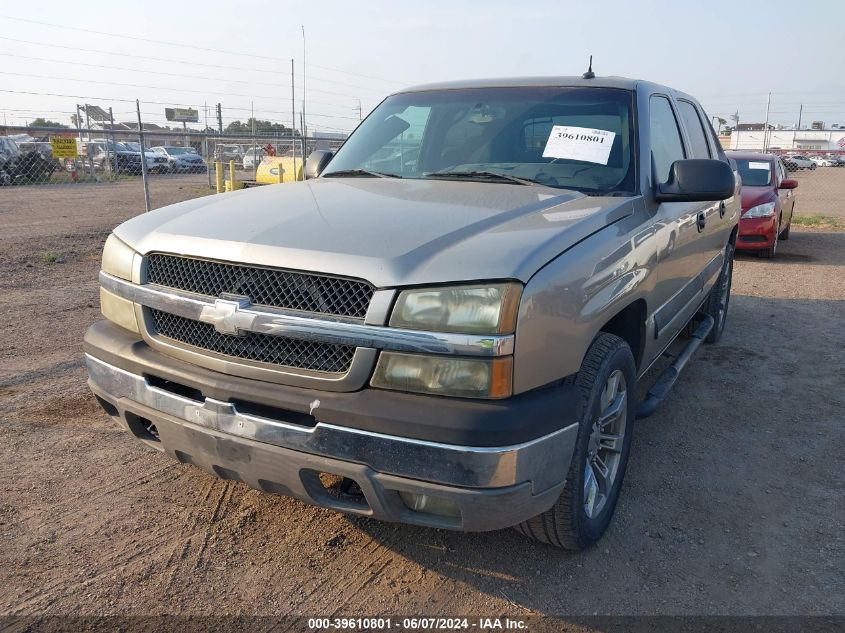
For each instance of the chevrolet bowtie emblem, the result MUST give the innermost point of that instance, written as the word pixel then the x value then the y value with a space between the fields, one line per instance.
pixel 227 316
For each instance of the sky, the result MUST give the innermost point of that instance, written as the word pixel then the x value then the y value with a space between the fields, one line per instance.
pixel 730 55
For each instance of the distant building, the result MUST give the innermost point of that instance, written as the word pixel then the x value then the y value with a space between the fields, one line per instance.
pixel 748 127
pixel 832 140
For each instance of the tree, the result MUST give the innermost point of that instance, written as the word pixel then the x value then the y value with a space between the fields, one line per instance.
pixel 722 123
pixel 261 127
pixel 40 122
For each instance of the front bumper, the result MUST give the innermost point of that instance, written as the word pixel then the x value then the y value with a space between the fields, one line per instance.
pixel 204 418
pixel 756 233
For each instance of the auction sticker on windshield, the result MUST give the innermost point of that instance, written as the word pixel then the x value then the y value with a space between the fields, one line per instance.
pixel 579 143
pixel 754 165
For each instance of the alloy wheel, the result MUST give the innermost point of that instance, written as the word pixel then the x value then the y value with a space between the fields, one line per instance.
pixel 604 450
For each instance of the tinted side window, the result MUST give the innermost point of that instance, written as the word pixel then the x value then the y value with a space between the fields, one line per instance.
pixel 695 129
pixel 666 145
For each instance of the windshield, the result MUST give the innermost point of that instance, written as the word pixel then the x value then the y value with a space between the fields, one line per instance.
pixel 577 138
pixel 177 150
pixel 755 173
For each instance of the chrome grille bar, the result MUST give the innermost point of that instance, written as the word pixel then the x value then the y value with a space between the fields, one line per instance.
pixel 264 321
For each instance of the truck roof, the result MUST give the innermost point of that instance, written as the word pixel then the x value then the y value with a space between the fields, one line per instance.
pixel 623 83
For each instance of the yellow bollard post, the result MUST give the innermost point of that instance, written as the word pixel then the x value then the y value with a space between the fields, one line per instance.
pixel 281 173
pixel 219 176
pixel 232 175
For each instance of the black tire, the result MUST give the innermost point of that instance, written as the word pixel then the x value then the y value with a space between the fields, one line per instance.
pixel 771 251
pixel 566 524
pixel 784 235
pixel 720 297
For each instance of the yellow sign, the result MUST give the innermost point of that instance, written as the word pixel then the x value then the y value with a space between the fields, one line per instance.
pixel 64 147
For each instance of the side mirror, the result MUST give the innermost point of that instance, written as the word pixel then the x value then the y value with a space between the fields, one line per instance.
pixel 316 163
pixel 697 180
pixel 788 183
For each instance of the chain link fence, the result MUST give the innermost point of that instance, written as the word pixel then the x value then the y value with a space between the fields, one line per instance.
pixel 152 168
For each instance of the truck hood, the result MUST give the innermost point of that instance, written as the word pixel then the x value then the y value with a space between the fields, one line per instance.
pixel 390 232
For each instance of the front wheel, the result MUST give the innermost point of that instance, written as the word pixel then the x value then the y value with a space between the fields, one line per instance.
pixel 582 513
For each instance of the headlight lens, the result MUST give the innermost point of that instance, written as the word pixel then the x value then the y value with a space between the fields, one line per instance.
pixel 444 376
pixel 470 309
pixel 117 258
pixel 766 210
pixel 117 261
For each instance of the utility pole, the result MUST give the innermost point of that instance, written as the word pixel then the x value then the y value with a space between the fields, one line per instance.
pixel 205 141
pixel 254 146
pixel 797 127
pixel 359 109
pixel 304 92
pixel 766 124
pixel 219 118
pixel 292 117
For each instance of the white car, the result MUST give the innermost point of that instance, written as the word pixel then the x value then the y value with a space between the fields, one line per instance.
pixel 253 156
pixel 821 161
pixel 797 161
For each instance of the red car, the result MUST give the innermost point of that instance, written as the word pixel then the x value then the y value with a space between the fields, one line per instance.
pixel 768 201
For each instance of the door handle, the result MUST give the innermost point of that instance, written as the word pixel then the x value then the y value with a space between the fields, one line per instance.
pixel 722 209
pixel 702 221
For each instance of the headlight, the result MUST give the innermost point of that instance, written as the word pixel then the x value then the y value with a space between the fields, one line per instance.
pixel 117 261
pixel 766 210
pixel 117 258
pixel 444 376
pixel 470 309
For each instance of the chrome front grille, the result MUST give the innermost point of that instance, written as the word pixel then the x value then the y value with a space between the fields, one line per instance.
pixel 264 286
pixel 306 292
pixel 262 348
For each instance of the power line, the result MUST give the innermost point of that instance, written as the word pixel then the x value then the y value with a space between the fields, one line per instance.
pixel 182 45
pixel 181 75
pixel 179 61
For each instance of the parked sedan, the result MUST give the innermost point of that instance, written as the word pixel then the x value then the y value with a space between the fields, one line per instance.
pixel 768 200
pixel 156 163
pixel 182 159
pixel 821 161
pixel 796 162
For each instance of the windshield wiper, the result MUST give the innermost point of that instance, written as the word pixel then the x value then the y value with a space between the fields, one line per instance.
pixel 482 175
pixel 351 173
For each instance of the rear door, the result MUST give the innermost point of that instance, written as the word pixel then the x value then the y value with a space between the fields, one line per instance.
pixel 713 222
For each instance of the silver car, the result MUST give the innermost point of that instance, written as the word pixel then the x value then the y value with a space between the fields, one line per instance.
pixel 446 323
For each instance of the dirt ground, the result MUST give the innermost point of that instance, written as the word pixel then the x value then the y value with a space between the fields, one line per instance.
pixel 732 503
